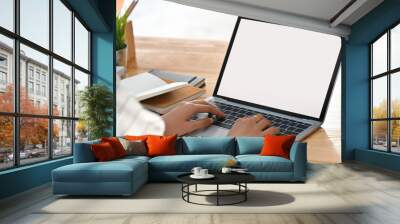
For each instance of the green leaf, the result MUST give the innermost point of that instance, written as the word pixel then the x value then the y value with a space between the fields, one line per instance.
pixel 97 105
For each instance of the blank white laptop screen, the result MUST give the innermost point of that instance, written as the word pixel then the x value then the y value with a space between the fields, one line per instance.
pixel 280 67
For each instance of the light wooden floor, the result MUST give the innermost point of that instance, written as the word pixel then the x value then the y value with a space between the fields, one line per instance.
pixel 379 190
pixel 205 58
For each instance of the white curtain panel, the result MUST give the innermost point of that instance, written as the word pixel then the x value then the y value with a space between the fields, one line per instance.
pixel 257 9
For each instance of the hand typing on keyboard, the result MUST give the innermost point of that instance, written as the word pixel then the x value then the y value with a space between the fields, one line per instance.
pixel 255 125
pixel 244 126
pixel 178 121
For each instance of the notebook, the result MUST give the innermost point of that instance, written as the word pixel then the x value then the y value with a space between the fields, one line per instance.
pixel 146 85
pixel 163 103
pixel 191 79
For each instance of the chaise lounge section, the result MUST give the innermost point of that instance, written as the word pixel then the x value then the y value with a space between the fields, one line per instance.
pixel 125 176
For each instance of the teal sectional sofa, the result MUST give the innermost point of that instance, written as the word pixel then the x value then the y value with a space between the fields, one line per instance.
pixel 125 176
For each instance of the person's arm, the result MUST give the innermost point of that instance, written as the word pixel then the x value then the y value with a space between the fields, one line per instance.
pixel 133 119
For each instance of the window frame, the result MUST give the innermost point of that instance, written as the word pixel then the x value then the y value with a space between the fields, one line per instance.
pixel 16 115
pixel 388 74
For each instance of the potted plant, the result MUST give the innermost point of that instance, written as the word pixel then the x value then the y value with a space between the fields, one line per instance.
pixel 120 26
pixel 96 102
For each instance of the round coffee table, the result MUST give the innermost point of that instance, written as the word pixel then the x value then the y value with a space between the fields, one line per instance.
pixel 238 179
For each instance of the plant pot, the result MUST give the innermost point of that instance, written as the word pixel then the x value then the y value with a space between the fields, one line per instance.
pixel 121 57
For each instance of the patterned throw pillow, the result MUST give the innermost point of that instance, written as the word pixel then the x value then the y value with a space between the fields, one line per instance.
pixel 134 147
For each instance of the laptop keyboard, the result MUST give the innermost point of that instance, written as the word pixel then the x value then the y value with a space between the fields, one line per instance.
pixel 232 113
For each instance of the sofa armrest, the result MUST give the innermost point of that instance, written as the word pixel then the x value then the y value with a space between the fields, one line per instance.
pixel 83 152
pixel 298 155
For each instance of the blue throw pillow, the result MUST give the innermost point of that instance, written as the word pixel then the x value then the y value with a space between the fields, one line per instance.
pixel 249 145
pixel 207 145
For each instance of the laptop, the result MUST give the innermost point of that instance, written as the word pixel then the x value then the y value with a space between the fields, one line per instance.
pixel 286 74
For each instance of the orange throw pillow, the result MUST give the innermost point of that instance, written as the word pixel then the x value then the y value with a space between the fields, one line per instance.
pixel 161 145
pixel 103 152
pixel 116 145
pixel 277 145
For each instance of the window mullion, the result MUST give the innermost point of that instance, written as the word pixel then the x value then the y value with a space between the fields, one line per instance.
pixel 389 103
pixel 73 82
pixel 16 69
pixel 50 81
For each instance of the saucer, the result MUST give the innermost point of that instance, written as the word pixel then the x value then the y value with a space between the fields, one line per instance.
pixel 208 176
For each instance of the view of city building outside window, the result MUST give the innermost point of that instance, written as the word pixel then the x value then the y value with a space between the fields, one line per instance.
pixel 34 119
pixel 385 82
pixel 81 82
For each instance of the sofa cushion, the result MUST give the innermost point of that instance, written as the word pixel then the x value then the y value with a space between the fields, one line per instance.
pixel 249 145
pixel 112 171
pixel 257 163
pixel 207 145
pixel 185 163
pixel 133 158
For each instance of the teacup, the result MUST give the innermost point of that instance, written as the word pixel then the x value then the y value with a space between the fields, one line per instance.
pixel 196 171
pixel 203 172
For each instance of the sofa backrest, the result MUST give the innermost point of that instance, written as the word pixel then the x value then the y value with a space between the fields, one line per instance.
pixel 249 145
pixel 206 145
pixel 83 152
pixel 191 146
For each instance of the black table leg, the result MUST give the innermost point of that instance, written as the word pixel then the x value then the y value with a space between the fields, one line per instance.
pixel 195 188
pixel 188 190
pixel 217 194
pixel 245 193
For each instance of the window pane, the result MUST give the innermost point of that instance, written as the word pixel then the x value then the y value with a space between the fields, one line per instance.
pixel 62 29
pixel 81 131
pixel 7 14
pixel 81 45
pixel 395 47
pixel 379 55
pixel 33 139
pixel 379 135
pixel 395 94
pixel 62 89
pixel 379 97
pixel 395 138
pixel 6 142
pixel 34 97
pixel 6 74
pixel 35 21
pixel 81 81
pixel 62 138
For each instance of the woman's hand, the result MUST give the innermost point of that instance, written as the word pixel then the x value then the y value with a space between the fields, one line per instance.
pixel 255 125
pixel 178 121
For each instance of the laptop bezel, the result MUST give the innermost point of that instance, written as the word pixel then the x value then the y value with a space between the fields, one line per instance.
pixel 328 95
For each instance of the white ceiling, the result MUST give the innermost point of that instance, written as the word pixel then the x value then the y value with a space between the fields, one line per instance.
pixel 308 14
pixel 319 9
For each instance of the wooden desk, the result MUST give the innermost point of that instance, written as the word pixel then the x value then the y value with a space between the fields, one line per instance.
pixel 205 58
